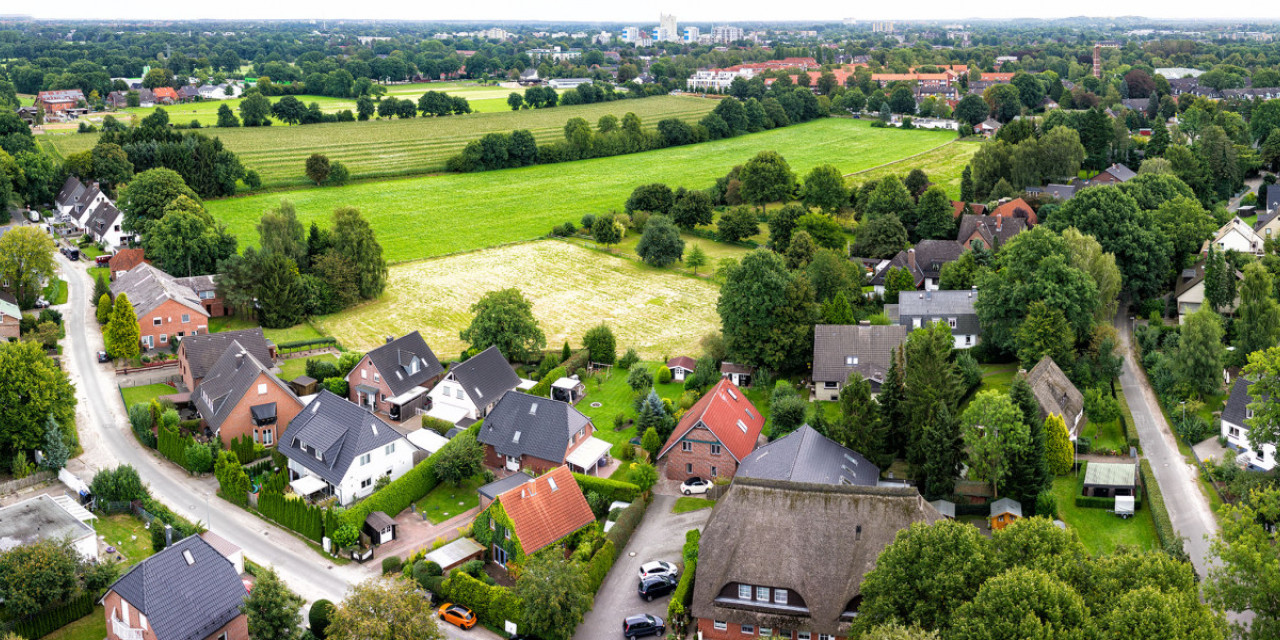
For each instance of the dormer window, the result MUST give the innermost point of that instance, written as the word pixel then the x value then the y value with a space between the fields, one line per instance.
pixel 1248 413
pixel 850 361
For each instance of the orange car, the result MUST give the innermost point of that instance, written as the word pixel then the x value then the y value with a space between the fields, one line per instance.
pixel 457 615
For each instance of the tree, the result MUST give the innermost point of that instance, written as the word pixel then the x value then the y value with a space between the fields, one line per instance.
pixel 35 576
pixel 289 110
pixel 227 117
pixel 890 197
pixel 317 167
pixel 384 609
pixel 654 198
pixel 607 230
pixel 601 346
pixel 144 199
pixel 831 274
pixel 1029 473
pixel 318 618
pixel 651 442
pixel 104 309
pixel 1023 603
pixel 691 209
pixel 800 250
pixel 935 217
pixel 881 236
pixel 787 410
pixel 902 100
pixel 1058 452
pixel 1247 571
pixel 766 178
pixel 1045 332
pixel 994 435
pixel 737 224
pixel 1257 323
pixel 897 280
pixel 274 611
pixel 32 389
pixel 966 185
pixel 278 280
pixel 555 596
pixel 824 189
pixel 695 258
pixel 55 449
pixel 1159 139
pixel 660 245
pixel 100 288
pixel 1030 90
pixel 354 239
pixel 186 241
pixel 767 313
pixel 1219 280
pixel 279 231
pixel 640 379
pixel 460 460
pixel 111 165
pixel 26 263
pixel 1004 100
pixel 515 101
pixel 1198 360
pixel 972 110
pixel 505 318
pixel 255 110
pixel 122 335
pixel 859 426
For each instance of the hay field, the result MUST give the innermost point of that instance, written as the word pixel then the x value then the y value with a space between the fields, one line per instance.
pixel 944 166
pixel 656 312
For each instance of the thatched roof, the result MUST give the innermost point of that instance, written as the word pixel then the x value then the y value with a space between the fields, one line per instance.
pixel 1055 393
pixel 815 540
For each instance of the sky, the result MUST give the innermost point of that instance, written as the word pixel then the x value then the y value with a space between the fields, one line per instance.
pixel 643 12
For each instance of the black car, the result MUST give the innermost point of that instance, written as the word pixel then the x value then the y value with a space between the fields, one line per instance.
pixel 643 625
pixel 657 586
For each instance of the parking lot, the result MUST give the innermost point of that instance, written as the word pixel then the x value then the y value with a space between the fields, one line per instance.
pixel 660 536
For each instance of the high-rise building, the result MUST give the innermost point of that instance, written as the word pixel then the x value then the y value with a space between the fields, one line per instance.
pixel 668 23
pixel 726 35
pixel 691 35
pixel 630 34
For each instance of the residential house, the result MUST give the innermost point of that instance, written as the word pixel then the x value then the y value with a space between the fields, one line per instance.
pixel 1273 200
pixel 988 127
pixel 228 549
pixel 55 102
pixel 77 200
pixel 165 95
pixel 974 208
pixel 524 431
pixel 681 367
pixel 1236 235
pixel 395 376
pixel 988 232
pixel 923 261
pixel 206 289
pixel 69 194
pixel 470 389
pixel 106 226
pixel 199 353
pixel 1189 292
pixel 166 310
pixel 1058 192
pixel 1114 174
pixel 189 591
pixel 804 455
pixel 533 516
pixel 955 308
pixel 763 571
pixel 188 93
pixel 239 395
pixel 738 374
pixel 44 518
pixel 219 91
pixel 1268 224
pixel 1016 209
pixel 1056 395
pixel 1004 512
pixel 10 317
pixel 841 349
pixel 714 435
pixel 1235 428
pixel 124 260
pixel 338 448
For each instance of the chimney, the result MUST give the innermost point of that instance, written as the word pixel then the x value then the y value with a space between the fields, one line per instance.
pixel 911 258
pixel 999 223
pixel 168 536
pixel 390 339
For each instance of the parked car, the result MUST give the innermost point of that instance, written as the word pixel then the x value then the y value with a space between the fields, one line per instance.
pixel 694 485
pixel 656 586
pixel 457 615
pixel 102 357
pixel 658 568
pixel 41 303
pixel 643 625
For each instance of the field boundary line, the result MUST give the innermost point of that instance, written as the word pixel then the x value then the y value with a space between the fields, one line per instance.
pixel 887 164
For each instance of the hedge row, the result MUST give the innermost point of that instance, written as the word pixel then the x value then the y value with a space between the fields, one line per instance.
pixel 543 388
pixel 1170 541
pixel 1092 502
pixel 293 514
pixel 305 344
pixel 599 564
pixel 42 623
pixel 626 524
pixel 578 360
pixel 610 490
pixel 407 489
pixel 173 446
pixel 677 609
pixel 493 605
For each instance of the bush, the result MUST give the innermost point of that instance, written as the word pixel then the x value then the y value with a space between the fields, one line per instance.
pixel 141 421
pixel 1170 541
pixel 609 490
pixel 1047 505
pixel 664 376
pixel 543 388
pixel 492 604
pixel 390 565
pixel 120 484
pixel 318 618
pixel 626 524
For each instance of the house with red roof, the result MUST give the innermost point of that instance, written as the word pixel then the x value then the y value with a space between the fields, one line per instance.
pixel 165 95
pixel 528 518
pixel 1016 208
pixel 714 435
pixel 988 76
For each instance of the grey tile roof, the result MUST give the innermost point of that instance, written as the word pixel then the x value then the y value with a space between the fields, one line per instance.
pixel 872 345
pixel 1264 218
pixel 1054 391
pixel 995 230
pixel 1273 199
pixel 70 192
pixel 804 455
pixel 184 600
pixel 525 425
pixel 104 217
pixel 83 202
pixel 1006 505
pixel 485 376
pixel 199 283
pixel 339 430
pixel 148 287
pixel 929 256
pixel 499 487
pixel 1235 411
pixel 395 361
pixel 203 350
pixel 930 306
pixel 1121 172
pixel 227 381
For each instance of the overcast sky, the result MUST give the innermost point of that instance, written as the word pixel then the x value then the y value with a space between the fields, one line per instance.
pixel 642 12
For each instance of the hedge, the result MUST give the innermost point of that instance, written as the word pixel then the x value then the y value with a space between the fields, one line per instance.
pixel 1169 538
pixel 677 609
pixel 543 388
pixel 611 490
pixel 599 564
pixel 493 605
pixel 306 344
pixel 626 524
pixel 173 445
pixel 1092 502
pixel 578 360
pixel 42 623
pixel 407 489
pixel 294 514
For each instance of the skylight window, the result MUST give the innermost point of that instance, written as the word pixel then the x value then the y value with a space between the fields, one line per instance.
pixel 850 459
pixel 516 438
pixel 731 393
pixel 478 394
pixel 186 555
pixel 533 409
pixel 552 482
pixel 742 425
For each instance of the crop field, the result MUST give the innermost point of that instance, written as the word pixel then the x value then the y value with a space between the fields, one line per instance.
pixel 381 148
pixel 431 216
pixel 572 289
pixel 943 165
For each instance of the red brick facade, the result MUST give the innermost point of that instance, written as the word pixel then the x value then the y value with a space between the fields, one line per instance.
pixel 114 608
pixel 536 465
pixel 706 457
pixel 365 374
pixel 169 320
pixel 10 327
pixel 240 420
pixel 732 631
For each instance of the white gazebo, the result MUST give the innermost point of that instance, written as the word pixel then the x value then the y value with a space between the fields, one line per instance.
pixel 587 456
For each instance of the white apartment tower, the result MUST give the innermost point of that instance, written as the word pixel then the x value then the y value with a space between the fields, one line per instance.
pixel 726 35
pixel 668 23
pixel 691 35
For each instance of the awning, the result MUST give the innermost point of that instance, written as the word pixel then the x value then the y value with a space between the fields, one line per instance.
pixel 408 395
pixel 448 413
pixel 307 485
pixel 263 413
pixel 367 390
pixel 588 453
pixel 427 440
pixel 526 384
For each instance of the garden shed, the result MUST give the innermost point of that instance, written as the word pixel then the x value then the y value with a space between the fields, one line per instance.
pixel 380 527
pixel 456 554
pixel 1110 480
pixel 1005 512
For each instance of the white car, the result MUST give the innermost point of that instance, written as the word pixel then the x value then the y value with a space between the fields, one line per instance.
pixel 694 485
pixel 658 568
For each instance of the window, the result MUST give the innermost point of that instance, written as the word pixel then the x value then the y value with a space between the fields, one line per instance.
pixel 364 459
pixel 262 389
pixel 951 322
pixel 206 295
pixel 222 636
pixel 968 340
pixel 780 596
pixel 147 340
pixel 391 448
pixel 492 527
pixel 366 483
pixel 802 635
pixel 186 317
pixel 377 377
pixel 849 361
pixel 364 374
pixel 1248 412
pixel 255 436
pixel 686 446
pixel 748 629
pixel 915 322
pixel 720 625
pixel 688 468
pixel 823 636
pixel 766 632
pixel 744 592
pixel 506 533
pixel 713 472
pixel 831 385
pixel 268 437
pixel 715 449
pixel 762 594
pixel 1233 432
pixel 155 322
pixel 164 338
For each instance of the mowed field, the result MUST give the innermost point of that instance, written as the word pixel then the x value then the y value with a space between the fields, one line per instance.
pixel 943 165
pixel 381 148
pixel 436 215
pixel 655 311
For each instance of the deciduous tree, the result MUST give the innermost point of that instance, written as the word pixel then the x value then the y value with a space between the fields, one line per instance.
pixel 26 263
pixel 1045 332
pixel 1198 360
pixel 995 436
pixel 386 609
pixel 354 239
pixel 1246 575
pixel 767 178
pixel 824 189
pixel 660 245
pixel 600 344
pixel 555 596
pixel 767 313
pixel 144 199
pixel 505 318
pixel 274 611
pixel 1257 323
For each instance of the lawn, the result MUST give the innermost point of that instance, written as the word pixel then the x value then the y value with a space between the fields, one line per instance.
pixel 998 377
pixel 94 272
pixel 1101 530
pixel 614 396
pixel 943 165
pixel 56 292
pixel 90 627
pixel 413 146
pixel 685 504
pixel 716 251
pixel 1109 436
pixel 655 311
pixel 447 501
pixel 436 215
pixel 128 535
pixel 296 333
pixel 295 367
pixel 145 393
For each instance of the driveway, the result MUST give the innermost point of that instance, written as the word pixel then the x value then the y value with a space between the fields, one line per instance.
pixel 660 536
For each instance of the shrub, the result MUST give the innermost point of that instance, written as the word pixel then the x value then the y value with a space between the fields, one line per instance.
pixel 1169 539
pixel 120 484
pixel 609 490
pixel 390 565
pixel 492 604
pixel 543 388
pixel 141 421
pixel 318 618
pixel 664 376
pixel 1047 505
pixel 628 359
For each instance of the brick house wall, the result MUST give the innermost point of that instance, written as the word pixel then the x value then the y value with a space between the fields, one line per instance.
pixel 170 314
pixel 113 607
pixel 9 328
pixel 368 375
pixel 537 465
pixel 240 420
pixel 707 630
pixel 699 460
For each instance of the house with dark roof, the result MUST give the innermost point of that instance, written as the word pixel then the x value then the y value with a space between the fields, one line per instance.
pixel 1273 200
pixel 1189 291
pixel 804 455
pixel 714 436
pixel 206 289
pixel 470 389
pixel 166 310
pixel 1114 174
pixel 394 378
pixel 955 308
pixel 532 516
pixel 124 260
pixel 189 591
pixel 1058 192
pixel 681 367
pixel 338 448
pixel 239 395
pixel 105 224
pixel 841 349
pixel 780 558
pixel 1056 395
pixel 988 232
pixel 1267 225
pixel 199 353
pixel 530 432
pixel 77 208
pixel 69 194
pixel 1016 208
pixel 923 261
pixel 1235 428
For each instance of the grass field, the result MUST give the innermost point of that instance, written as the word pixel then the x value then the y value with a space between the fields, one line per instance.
pixel 943 165
pixel 403 147
pixel 656 312
pixel 1102 530
pixel 145 393
pixel 614 396
pixel 297 333
pixel 436 215
pixel 128 535
pixel 90 627
pixel 295 367
pixel 447 501
pixel 56 292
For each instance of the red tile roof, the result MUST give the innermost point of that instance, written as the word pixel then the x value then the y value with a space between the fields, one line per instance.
pixel 721 410
pixel 682 361
pixel 124 260
pixel 996 77
pixel 974 207
pixel 1011 208
pixel 165 92
pixel 546 509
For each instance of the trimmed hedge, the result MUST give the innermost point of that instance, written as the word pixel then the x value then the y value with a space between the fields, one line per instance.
pixel 610 490
pixel 1170 541
pixel 1091 502
pixel 626 524
pixel 543 388
pixel 493 605
pixel 599 564
pixel 407 489
pixel 42 623
pixel 677 609
pixel 306 344
pixel 293 514
pixel 173 446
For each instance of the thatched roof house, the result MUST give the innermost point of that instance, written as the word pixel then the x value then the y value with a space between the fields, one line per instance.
pixel 1056 394
pixel 784 555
